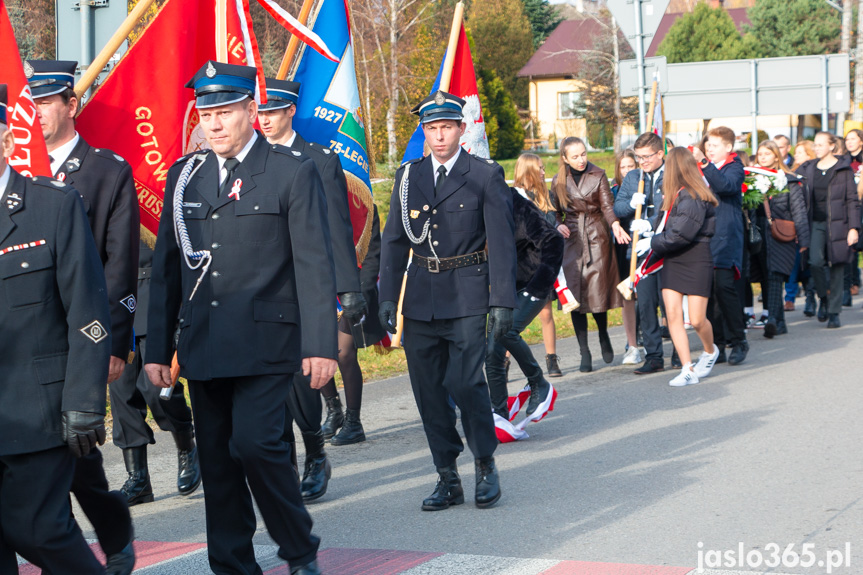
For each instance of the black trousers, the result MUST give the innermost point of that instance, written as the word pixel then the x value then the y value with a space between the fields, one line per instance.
pixel 240 422
pixel 304 406
pixel 649 298
pixel 36 515
pixel 132 393
pixel 827 275
pixel 107 510
pixel 725 309
pixel 445 359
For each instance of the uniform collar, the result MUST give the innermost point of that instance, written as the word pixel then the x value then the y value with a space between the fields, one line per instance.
pixel 243 153
pixel 448 164
pixel 292 139
pixel 61 154
pixel 4 180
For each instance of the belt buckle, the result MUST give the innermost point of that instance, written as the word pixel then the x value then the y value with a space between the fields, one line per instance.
pixel 434 266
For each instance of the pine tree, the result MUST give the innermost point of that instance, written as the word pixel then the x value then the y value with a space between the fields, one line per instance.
pixel 703 35
pixel 543 18
pixel 792 28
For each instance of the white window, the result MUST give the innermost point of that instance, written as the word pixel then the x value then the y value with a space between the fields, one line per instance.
pixel 566 102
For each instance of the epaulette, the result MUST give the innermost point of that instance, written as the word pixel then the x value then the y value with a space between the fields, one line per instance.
pixel 484 160
pixel 182 159
pixel 286 151
pixel 411 161
pixel 50 183
pixel 106 153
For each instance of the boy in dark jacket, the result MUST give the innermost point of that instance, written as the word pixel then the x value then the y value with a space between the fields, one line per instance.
pixel 723 171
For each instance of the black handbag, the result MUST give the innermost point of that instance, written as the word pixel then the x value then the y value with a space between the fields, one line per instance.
pixel 754 236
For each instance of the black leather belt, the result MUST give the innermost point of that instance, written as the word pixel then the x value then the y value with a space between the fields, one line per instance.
pixel 443 264
pixel 144 273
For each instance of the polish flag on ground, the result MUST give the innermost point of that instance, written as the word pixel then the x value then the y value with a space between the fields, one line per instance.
pixel 564 294
pixel 506 431
pixel 31 155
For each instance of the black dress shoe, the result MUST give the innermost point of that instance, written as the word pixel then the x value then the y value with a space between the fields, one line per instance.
pixel 307 569
pixel 317 469
pixel 833 320
pixel 352 431
pixel 448 490
pixel 738 353
pixel 539 391
pixel 605 346
pixel 137 487
pixel 675 360
pixel 809 308
pixel 335 417
pixel 722 358
pixel 487 483
pixel 770 328
pixel 663 331
pixel 822 310
pixel 586 362
pixel 188 469
pixel 121 563
pixel 552 362
pixel 650 366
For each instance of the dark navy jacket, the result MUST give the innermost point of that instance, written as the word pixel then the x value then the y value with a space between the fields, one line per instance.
pixel 726 184
pixel 474 207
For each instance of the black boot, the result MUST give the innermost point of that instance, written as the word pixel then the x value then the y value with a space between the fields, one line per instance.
pixel 448 490
pixel 188 470
pixel 809 308
pixel 822 310
pixel 846 298
pixel 552 362
pixel 539 390
pixel 121 563
pixel 317 471
pixel 335 417
pixel 833 320
pixel 137 488
pixel 307 569
pixel 352 432
pixel 605 346
pixel 487 482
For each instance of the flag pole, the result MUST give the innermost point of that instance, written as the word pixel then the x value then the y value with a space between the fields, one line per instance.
pixel 221 31
pixel 445 80
pixel 98 64
pixel 625 287
pixel 294 42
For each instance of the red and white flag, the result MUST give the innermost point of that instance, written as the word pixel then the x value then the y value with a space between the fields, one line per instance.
pixel 241 45
pixel 31 155
pixel 506 431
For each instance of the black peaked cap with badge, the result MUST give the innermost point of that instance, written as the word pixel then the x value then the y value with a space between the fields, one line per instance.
pixel 439 106
pixel 220 84
pixel 50 270
pixel 104 180
pixel 281 94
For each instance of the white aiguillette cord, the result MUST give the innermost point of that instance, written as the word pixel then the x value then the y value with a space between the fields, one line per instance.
pixel 203 257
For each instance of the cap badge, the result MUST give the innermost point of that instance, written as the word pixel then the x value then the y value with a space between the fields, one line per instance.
pixel 211 70
pixel 28 70
pixel 439 98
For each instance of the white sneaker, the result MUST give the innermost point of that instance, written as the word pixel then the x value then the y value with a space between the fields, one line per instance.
pixel 706 362
pixel 686 377
pixel 632 356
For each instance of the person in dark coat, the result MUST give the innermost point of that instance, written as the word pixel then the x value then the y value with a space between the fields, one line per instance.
pixel 107 189
pixel 834 221
pixel 55 334
pixel 304 403
pixel 682 240
pixel 132 394
pixel 724 173
pixel 449 207
pixel 539 253
pixel 780 256
pixel 586 219
pixel 247 284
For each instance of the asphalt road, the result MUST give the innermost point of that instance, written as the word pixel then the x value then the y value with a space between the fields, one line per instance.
pixel 626 469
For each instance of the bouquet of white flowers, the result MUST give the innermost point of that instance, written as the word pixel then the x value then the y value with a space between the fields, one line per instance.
pixel 760 184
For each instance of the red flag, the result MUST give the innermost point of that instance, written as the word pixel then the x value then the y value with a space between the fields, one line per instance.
pixel 463 85
pixel 31 154
pixel 143 112
pixel 242 43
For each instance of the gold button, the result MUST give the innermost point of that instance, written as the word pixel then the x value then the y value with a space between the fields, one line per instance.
pixel 434 226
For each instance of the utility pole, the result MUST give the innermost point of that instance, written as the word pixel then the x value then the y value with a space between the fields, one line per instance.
pixel 639 58
pixel 845 48
pixel 857 115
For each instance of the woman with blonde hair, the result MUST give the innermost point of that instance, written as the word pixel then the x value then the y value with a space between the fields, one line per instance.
pixel 530 177
pixel 585 211
pixel 803 152
pixel 682 240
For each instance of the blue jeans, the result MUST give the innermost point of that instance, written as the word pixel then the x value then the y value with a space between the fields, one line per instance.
pixel 495 371
pixel 792 286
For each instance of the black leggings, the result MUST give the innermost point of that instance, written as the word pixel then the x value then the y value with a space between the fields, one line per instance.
pixel 579 324
pixel 352 375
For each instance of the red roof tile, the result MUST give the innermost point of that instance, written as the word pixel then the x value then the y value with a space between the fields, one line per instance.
pixel 556 56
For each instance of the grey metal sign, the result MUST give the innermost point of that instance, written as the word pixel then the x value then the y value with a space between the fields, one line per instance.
pixel 629 75
pixel 652 12
pixel 82 31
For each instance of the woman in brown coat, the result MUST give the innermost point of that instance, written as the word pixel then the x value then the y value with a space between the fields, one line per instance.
pixel 585 212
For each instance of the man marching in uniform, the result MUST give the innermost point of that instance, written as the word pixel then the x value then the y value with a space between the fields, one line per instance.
pixel 304 403
pixel 448 206
pixel 243 271
pixel 54 321
pixel 105 183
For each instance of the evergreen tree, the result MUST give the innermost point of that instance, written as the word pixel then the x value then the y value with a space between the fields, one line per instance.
pixel 543 18
pixel 792 28
pixel 703 35
pixel 503 126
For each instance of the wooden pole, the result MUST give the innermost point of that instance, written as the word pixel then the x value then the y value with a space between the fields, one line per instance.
pixel 221 31
pixel 625 287
pixel 294 42
pixel 446 77
pixel 99 63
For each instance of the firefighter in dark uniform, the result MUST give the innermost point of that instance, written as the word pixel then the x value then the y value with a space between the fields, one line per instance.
pixel 448 207
pixel 133 393
pixel 105 183
pixel 304 404
pixel 247 285
pixel 54 331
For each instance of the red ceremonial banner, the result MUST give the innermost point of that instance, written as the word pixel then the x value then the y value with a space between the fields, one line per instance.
pixel 143 112
pixel 31 155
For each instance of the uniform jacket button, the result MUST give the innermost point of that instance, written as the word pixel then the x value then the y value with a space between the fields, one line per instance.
pixel 434 211
pixel 461 205
pixel 257 207
pixel 189 212
pixel 216 245
pixel 25 265
pixel 434 243
pixel 214 303
pixel 215 216
pixel 215 274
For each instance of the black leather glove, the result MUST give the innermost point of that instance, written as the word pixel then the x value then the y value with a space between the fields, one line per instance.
pixel 353 306
pixel 499 322
pixel 388 314
pixel 82 431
